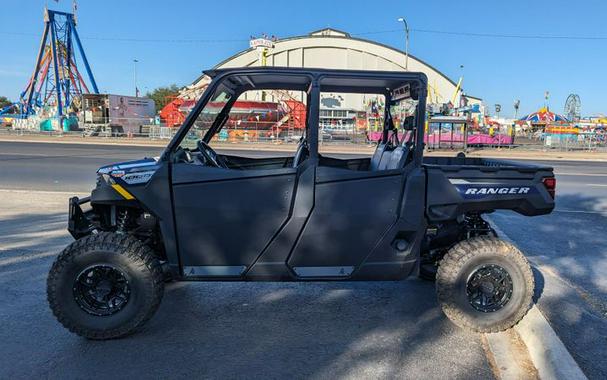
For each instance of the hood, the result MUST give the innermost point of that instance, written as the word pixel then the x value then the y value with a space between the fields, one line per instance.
pixel 131 172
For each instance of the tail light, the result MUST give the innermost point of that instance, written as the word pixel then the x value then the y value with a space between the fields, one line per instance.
pixel 550 183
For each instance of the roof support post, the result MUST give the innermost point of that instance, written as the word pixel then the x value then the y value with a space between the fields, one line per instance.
pixel 313 117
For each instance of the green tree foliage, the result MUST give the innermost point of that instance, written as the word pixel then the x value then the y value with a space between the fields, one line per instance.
pixel 4 102
pixel 163 95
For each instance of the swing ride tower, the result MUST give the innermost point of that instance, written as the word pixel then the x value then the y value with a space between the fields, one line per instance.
pixel 56 81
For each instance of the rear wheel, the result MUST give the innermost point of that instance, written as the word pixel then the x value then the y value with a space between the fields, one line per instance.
pixel 105 286
pixel 485 284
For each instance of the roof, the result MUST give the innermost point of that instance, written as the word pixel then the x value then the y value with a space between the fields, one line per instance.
pixel 544 115
pixel 298 78
pixel 339 34
pixel 334 33
pixel 329 32
pixel 449 119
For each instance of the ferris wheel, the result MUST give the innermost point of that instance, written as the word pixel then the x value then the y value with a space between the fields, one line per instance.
pixel 573 105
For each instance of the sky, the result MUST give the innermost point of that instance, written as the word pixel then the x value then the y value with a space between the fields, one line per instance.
pixel 175 40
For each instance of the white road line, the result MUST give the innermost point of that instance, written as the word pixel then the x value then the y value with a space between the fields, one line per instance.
pixel 597 184
pixel 50 192
pixel 580 212
pixel 548 353
pixel 583 174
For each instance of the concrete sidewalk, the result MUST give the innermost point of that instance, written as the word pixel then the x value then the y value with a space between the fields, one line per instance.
pixel 503 153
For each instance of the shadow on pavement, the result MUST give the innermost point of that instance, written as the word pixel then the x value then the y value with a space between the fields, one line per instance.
pixel 539 284
pixel 231 329
pixel 569 249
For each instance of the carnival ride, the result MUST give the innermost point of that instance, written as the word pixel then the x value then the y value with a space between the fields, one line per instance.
pixel 543 116
pixel 283 114
pixel 56 83
pixel 573 106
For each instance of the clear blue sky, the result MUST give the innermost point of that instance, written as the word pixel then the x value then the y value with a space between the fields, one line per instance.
pixel 499 70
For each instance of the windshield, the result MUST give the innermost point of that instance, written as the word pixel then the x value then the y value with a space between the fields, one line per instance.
pixel 206 118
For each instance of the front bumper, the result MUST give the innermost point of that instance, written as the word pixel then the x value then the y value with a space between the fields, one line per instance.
pixel 79 223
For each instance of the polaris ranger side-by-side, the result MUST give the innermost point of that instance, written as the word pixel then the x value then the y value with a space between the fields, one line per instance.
pixel 195 214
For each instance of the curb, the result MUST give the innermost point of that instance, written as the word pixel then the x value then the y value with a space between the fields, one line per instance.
pixel 547 351
pixel 544 348
pixel 508 356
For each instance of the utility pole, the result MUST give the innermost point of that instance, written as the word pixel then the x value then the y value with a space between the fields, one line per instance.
pixel 135 77
pixel 402 19
pixel 459 85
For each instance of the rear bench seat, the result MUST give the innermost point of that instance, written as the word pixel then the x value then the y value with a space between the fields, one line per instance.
pixel 386 158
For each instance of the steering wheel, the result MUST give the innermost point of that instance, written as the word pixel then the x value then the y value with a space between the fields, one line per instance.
pixel 209 155
pixel 183 155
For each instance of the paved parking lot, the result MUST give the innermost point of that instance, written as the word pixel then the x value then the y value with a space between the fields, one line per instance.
pixel 313 329
pixel 224 330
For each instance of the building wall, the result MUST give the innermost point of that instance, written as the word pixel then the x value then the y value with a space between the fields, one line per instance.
pixel 337 50
pixel 329 48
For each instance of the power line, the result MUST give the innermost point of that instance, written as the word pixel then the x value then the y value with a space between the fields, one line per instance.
pixel 427 31
pixel 489 35
pixel 171 40
pixel 129 39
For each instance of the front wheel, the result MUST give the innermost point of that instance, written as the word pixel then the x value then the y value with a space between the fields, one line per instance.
pixel 485 284
pixel 105 286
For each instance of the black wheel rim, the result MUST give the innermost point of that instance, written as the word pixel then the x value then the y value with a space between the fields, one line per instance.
pixel 489 288
pixel 101 290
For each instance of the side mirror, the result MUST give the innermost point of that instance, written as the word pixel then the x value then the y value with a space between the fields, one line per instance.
pixel 409 123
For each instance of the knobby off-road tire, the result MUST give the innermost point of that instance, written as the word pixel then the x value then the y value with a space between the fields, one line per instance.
pixel 125 258
pixel 471 259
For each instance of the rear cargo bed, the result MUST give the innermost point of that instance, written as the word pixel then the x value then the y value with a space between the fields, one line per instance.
pixel 458 185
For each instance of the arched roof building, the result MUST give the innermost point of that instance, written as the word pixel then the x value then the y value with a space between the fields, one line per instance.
pixel 330 48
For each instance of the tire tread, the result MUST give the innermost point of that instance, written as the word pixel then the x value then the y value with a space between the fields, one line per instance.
pixel 136 252
pixel 449 269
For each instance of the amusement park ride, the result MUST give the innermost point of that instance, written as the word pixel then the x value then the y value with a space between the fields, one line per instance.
pixel 573 105
pixel 56 84
pixel 275 111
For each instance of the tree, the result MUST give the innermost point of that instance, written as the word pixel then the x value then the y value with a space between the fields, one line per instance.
pixel 163 95
pixel 4 102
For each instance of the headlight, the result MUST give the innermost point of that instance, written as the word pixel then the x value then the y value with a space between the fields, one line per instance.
pixel 104 179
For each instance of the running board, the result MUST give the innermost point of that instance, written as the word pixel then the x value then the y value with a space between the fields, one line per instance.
pixel 323 271
pixel 214 270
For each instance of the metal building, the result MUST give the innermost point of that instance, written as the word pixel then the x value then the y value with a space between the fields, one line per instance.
pixel 330 48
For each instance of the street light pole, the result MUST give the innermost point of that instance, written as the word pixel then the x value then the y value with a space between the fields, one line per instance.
pixel 402 19
pixel 135 77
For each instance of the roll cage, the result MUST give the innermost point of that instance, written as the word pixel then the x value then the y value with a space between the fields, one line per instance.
pixel 312 82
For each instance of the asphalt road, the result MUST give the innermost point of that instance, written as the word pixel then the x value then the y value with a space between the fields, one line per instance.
pixel 72 167
pixel 221 330
pixel 60 167
pixel 567 247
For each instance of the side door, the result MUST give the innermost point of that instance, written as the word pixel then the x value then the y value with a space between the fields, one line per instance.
pixel 366 222
pixel 353 211
pixel 225 218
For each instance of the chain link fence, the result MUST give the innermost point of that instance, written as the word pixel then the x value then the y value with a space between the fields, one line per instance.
pixel 267 133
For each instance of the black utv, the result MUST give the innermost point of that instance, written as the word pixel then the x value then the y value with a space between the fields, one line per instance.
pixel 196 214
